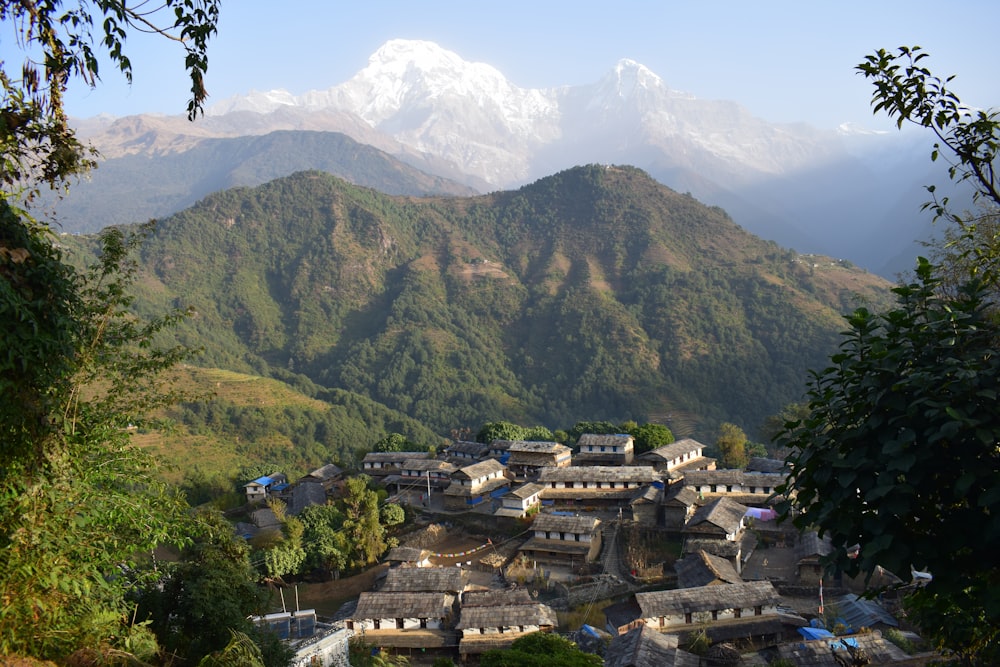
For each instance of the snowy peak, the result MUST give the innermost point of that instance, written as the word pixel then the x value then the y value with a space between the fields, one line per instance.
pixel 629 77
pixel 413 74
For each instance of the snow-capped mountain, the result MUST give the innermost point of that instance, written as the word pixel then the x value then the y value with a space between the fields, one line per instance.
pixel 816 191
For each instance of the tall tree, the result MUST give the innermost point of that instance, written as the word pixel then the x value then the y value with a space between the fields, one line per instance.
pixel 899 452
pixel 732 443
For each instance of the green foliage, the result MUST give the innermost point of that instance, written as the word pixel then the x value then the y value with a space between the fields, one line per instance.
pixel 392 515
pixel 540 649
pixel 500 431
pixel 241 651
pixel 78 502
pixel 205 596
pixel 394 442
pixel 362 527
pixel 650 436
pixel 732 443
pixel 364 654
pixel 899 450
pixel 605 312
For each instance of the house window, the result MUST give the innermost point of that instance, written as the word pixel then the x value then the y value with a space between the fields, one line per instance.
pixel 482 631
pixel 399 624
pixel 758 610
pixel 602 448
pixel 599 484
pixel 687 619
pixel 715 615
pixel 423 623
pixel 569 485
pixel 729 488
pixel 737 613
pixel 378 624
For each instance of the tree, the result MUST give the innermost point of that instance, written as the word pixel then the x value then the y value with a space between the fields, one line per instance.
pixel 394 442
pixel 78 503
pixel 499 431
pixel 364 532
pixel 650 436
pixel 732 443
pixel 392 514
pixel 899 452
pixel 540 649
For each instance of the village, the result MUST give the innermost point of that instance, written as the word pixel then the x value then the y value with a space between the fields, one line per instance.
pixel 686 562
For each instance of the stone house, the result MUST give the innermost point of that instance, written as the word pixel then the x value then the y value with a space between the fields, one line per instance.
pixel 495 619
pixel 518 501
pixel 722 519
pixel 260 488
pixel 672 609
pixel 747 488
pixel 679 505
pixel 405 620
pixel 528 458
pixel 704 569
pixel 644 647
pixel 473 484
pixel 597 449
pixel 380 464
pixel 685 454
pixel 464 452
pixel 606 485
pixel 567 540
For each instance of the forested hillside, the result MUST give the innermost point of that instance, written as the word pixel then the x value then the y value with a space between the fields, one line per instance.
pixel 593 294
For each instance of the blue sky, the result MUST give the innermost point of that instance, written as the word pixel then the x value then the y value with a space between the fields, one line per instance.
pixel 784 61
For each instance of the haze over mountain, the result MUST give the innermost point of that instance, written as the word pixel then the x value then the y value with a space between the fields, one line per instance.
pixel 813 190
pixel 592 294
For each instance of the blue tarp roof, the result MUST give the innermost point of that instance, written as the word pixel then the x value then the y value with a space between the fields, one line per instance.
pixel 265 481
pixel 815 633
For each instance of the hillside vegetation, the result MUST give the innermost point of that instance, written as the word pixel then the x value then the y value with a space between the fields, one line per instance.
pixel 593 294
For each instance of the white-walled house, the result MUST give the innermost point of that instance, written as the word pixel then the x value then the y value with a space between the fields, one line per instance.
pixel 472 484
pixel 405 620
pixel 681 607
pixel 572 540
pixel 595 449
pixel 520 500
pixel 685 454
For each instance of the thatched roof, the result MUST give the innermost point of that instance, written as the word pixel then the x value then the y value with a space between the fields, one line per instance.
pixel 716 547
pixel 406 555
pixel 580 525
pixel 380 604
pixel 760 464
pixel 479 470
pixel 564 547
pixel 477 449
pixel 597 440
pixel 304 494
pixel 650 494
pixel 424 579
pixel 457 489
pixel 811 546
pixel 326 473
pixel 706 598
pixel 645 647
pixel 393 457
pixel 496 597
pixel 723 513
pixel 619 474
pixel 526 490
pixel 733 478
pixel 432 465
pixel 505 617
pixel 532 447
pixel 678 494
pixel 673 450
pixel 701 569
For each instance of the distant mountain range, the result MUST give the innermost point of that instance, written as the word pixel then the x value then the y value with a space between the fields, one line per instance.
pixel 844 193
pixel 596 293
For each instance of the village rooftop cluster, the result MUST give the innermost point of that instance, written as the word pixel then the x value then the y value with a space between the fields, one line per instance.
pixel 721 589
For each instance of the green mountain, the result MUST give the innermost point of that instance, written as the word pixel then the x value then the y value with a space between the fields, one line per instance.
pixel 592 294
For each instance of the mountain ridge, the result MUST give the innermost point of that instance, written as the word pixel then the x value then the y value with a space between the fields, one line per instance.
pixel 596 293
